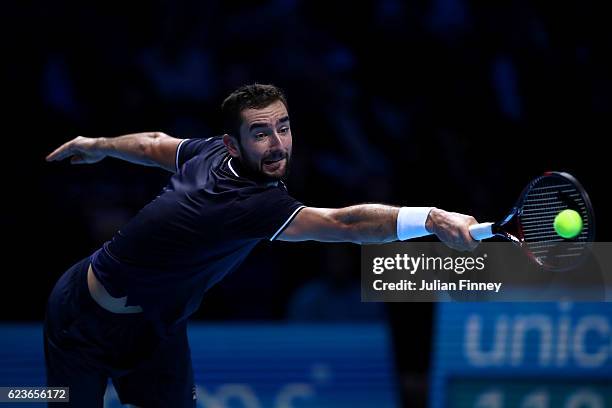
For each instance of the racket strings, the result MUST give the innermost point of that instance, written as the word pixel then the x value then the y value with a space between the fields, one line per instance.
pixel 545 198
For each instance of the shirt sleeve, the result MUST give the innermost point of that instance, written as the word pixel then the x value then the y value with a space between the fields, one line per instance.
pixel 265 214
pixel 189 148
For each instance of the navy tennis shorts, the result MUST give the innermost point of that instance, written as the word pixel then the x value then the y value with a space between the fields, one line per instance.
pixel 85 345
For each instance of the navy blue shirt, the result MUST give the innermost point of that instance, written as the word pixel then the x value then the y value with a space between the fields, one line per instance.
pixel 200 228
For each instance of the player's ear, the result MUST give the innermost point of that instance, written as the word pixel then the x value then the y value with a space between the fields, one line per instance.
pixel 232 145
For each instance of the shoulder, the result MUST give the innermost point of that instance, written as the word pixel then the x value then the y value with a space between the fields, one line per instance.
pixel 199 147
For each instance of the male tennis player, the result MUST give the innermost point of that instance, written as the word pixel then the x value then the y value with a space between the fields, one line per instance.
pixel 121 312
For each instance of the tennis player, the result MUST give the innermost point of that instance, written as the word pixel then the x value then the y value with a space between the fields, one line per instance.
pixel 121 313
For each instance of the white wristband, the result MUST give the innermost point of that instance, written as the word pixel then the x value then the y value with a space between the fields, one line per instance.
pixel 411 222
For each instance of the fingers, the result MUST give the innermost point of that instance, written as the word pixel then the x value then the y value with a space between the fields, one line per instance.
pixel 460 241
pixel 467 241
pixel 62 152
pixel 454 230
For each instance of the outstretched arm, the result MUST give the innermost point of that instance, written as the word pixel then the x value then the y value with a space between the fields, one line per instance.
pixel 148 148
pixel 377 223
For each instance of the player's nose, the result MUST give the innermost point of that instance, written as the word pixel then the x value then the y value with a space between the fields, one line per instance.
pixel 276 140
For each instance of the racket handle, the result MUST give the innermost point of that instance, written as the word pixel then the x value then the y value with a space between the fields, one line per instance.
pixel 481 231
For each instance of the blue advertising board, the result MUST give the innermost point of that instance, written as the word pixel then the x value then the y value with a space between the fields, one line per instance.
pixel 253 365
pixel 540 355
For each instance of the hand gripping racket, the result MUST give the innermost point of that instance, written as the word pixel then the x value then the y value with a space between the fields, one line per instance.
pixel 530 222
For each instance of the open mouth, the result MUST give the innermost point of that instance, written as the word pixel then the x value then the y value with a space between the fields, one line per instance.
pixel 273 161
pixel 273 164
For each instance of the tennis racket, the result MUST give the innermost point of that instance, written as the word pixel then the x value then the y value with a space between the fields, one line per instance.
pixel 530 222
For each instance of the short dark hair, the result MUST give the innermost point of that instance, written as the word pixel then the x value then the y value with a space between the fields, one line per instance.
pixel 254 96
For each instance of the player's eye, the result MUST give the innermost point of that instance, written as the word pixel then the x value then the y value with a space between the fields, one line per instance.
pixel 260 135
pixel 284 129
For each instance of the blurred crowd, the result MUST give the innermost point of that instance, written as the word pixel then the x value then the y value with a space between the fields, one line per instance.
pixel 397 102
pixel 450 103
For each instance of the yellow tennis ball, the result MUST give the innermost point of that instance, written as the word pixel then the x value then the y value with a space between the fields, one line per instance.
pixel 568 224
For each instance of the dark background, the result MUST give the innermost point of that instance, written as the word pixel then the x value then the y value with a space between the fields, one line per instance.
pixel 447 103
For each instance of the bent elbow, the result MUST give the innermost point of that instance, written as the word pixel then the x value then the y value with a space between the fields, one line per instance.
pixel 152 147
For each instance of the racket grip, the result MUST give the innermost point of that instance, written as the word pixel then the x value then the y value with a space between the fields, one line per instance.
pixel 481 231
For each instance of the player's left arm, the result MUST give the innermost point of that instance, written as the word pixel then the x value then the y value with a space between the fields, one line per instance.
pixel 146 148
pixel 375 223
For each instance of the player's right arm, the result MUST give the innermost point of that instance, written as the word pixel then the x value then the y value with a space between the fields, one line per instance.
pixel 155 149
pixel 375 223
